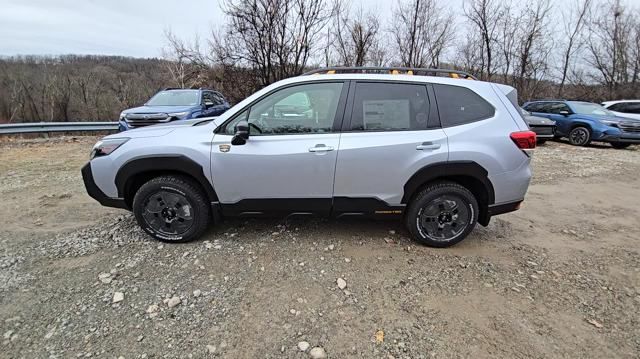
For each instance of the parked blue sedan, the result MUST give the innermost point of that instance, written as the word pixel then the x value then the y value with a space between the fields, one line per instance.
pixel 583 122
pixel 172 105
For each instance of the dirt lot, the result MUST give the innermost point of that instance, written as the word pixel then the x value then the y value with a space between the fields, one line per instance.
pixel 559 278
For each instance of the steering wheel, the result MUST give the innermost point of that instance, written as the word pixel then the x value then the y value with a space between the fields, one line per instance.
pixel 251 124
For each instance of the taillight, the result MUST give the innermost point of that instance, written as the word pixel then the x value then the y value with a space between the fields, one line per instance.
pixel 525 140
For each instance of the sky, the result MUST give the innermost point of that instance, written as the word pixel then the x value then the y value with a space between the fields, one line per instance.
pixel 111 27
pixel 120 27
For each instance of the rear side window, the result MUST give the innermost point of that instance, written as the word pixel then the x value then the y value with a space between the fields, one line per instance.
pixel 389 107
pixel 459 105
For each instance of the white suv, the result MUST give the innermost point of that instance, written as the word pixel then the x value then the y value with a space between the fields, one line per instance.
pixel 624 108
pixel 441 152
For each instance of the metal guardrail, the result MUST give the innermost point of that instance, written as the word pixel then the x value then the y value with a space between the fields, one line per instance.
pixel 43 127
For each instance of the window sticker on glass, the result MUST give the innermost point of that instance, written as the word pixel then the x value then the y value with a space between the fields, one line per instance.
pixel 381 114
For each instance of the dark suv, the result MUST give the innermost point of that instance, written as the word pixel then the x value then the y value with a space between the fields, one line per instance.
pixel 174 104
pixel 583 122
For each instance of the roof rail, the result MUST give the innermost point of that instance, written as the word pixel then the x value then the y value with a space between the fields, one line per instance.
pixel 392 70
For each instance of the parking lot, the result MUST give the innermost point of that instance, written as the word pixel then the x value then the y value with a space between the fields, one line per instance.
pixel 559 278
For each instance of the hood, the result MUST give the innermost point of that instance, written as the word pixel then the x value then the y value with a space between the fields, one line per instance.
pixel 158 109
pixel 535 120
pixel 161 129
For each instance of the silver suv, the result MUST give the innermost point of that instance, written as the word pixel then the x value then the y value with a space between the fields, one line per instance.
pixel 432 147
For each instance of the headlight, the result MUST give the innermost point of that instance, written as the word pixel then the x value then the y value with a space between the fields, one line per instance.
pixel 178 114
pixel 610 123
pixel 107 146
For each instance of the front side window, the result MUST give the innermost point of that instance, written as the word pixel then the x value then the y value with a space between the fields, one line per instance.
pixel 301 109
pixel 389 107
pixel 175 98
pixel 460 105
pixel 556 108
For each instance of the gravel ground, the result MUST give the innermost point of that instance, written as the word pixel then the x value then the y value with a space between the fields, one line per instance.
pixel 559 278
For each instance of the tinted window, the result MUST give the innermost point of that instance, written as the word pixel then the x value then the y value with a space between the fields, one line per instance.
pixel 459 105
pixel 294 110
pixel 626 107
pixel 618 107
pixel 633 107
pixel 534 107
pixel 175 98
pixel 389 107
pixel 208 97
pixel 557 107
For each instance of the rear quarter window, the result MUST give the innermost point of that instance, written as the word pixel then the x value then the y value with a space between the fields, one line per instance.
pixel 460 105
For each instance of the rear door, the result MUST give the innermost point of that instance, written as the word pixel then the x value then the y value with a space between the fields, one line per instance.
pixel 390 131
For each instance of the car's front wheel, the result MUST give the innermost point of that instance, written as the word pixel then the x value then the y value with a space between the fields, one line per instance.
pixel 442 214
pixel 620 145
pixel 172 209
pixel 580 136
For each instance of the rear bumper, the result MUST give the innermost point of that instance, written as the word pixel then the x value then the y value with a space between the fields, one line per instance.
pixel 94 191
pixel 497 209
pixel 544 132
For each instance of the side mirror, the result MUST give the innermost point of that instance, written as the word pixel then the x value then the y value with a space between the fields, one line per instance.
pixel 565 113
pixel 241 133
pixel 208 103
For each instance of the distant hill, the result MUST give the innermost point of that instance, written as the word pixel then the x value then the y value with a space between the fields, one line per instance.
pixel 73 88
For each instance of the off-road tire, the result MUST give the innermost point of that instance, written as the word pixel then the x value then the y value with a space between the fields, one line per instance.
pixel 620 145
pixel 199 211
pixel 579 136
pixel 426 198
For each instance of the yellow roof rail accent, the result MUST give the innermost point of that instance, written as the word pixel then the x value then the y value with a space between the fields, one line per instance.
pixel 456 74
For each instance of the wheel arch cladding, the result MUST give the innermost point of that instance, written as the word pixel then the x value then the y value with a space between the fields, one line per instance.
pixel 135 172
pixel 468 174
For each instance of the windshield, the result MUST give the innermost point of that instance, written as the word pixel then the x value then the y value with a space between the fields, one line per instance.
pixel 175 98
pixel 587 108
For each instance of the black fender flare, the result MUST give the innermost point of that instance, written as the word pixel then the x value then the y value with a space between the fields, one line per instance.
pixel 447 169
pixel 162 163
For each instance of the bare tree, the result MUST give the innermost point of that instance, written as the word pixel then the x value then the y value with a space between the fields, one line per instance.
pixel 609 45
pixel 422 30
pixel 485 17
pixel 533 46
pixel 354 37
pixel 187 63
pixel 274 37
pixel 575 20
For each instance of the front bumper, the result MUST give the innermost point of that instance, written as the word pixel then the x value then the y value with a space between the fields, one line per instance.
pixel 94 191
pixel 622 138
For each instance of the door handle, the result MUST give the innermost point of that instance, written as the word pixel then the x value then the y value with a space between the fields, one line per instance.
pixel 321 148
pixel 428 146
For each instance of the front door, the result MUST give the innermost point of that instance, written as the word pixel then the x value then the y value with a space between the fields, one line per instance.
pixel 288 163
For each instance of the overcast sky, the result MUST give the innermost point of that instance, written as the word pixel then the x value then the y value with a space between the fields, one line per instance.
pixel 118 27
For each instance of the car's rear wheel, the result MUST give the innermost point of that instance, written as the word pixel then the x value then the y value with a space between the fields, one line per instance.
pixel 442 214
pixel 542 142
pixel 620 145
pixel 580 136
pixel 172 209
